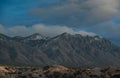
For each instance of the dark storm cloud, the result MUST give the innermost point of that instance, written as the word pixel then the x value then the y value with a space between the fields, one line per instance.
pixel 79 12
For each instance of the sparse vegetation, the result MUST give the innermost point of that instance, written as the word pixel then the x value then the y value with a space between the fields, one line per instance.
pixel 58 71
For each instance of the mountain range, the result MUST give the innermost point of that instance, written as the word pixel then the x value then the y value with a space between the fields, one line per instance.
pixel 64 49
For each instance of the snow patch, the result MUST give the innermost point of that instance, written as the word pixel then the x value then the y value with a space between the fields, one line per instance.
pixel 84 33
pixel 36 36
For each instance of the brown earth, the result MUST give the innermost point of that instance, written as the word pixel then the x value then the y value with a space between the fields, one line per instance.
pixel 58 71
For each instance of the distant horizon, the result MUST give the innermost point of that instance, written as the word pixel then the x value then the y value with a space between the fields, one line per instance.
pixel 22 18
pixel 83 33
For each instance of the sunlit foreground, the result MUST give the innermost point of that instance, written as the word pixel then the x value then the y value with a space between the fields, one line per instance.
pixel 57 71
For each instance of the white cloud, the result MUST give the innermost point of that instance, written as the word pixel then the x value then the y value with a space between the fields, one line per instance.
pixel 42 29
pixel 51 30
pixel 1 28
pixel 84 33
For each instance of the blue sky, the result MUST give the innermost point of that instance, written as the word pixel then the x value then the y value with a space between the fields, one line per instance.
pixel 98 16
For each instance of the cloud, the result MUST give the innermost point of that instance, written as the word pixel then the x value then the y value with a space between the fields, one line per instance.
pixel 109 30
pixel 42 29
pixel 79 12
pixel 84 33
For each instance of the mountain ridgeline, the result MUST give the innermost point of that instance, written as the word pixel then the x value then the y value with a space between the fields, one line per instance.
pixel 64 49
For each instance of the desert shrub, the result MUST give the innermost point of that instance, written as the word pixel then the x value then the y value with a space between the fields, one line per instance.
pixel 116 76
pixel 76 73
pixel 57 74
pixel 65 75
pixel 4 75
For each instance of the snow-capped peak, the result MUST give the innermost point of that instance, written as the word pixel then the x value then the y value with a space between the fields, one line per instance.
pixel 3 37
pixel 36 36
pixel 84 33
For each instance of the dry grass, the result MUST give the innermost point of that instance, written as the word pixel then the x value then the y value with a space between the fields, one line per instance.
pixel 4 72
pixel 4 75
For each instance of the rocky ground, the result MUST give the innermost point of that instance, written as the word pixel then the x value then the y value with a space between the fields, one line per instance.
pixel 57 71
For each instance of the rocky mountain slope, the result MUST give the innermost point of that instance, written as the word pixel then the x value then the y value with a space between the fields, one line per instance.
pixel 13 52
pixel 75 50
pixel 64 49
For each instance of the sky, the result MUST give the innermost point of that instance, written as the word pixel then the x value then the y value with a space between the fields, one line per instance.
pixel 52 17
